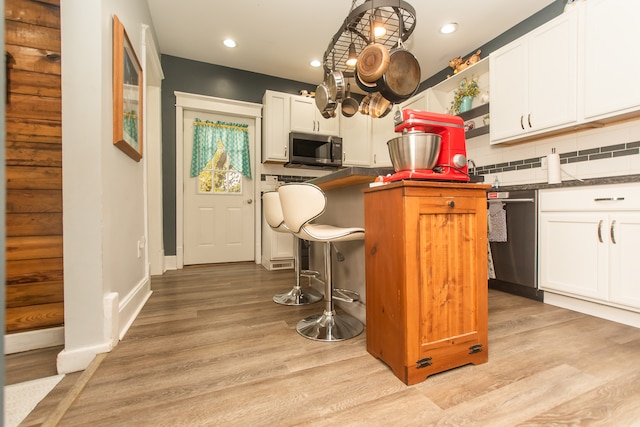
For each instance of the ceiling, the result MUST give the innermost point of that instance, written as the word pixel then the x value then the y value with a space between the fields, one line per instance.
pixel 281 37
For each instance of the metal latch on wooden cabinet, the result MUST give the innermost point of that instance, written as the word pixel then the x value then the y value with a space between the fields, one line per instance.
pixel 423 363
pixel 477 348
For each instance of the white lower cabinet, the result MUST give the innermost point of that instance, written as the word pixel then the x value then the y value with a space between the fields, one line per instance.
pixel 589 241
pixel 277 249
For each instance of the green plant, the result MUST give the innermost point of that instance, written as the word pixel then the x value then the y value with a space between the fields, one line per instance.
pixel 465 88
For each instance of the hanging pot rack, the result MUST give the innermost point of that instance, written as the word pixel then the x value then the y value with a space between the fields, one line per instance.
pixel 398 17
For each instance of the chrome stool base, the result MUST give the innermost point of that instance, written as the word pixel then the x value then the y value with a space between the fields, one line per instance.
pixel 297 296
pixel 330 327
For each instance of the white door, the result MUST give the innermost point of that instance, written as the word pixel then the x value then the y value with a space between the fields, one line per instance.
pixel 218 218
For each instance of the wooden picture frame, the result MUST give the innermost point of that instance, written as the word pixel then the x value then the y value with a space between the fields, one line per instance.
pixel 127 94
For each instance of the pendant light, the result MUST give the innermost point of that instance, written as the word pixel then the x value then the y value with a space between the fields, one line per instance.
pixel 352 59
pixel 379 29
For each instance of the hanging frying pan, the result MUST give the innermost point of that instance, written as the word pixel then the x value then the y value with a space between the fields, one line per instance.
pixel 324 102
pixel 335 83
pixel 372 62
pixel 379 106
pixel 364 105
pixel 349 105
pixel 367 87
pixel 402 78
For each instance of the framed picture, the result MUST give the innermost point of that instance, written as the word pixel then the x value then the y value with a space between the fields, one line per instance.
pixel 127 94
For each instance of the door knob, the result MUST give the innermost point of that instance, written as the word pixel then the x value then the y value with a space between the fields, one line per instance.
pixel 249 201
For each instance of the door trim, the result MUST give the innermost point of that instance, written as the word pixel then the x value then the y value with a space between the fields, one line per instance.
pixel 209 104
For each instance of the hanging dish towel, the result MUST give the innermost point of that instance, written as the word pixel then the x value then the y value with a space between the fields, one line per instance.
pixel 491 272
pixel 497 222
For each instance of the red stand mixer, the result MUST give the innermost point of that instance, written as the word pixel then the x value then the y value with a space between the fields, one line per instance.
pixel 452 160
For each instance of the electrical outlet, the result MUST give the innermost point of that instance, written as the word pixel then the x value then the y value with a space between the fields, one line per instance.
pixel 140 246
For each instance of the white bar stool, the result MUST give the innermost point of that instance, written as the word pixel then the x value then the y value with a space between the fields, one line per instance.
pixel 296 296
pixel 302 203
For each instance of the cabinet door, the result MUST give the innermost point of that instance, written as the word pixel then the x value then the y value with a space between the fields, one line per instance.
pixel 416 102
pixel 356 139
pixel 275 141
pixel 448 287
pixel 281 245
pixel 508 83
pixel 624 237
pixel 305 117
pixel 303 114
pixel 552 74
pixel 611 29
pixel 382 130
pixel 572 253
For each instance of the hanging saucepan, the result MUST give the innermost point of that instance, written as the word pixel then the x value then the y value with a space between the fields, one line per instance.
pixel 372 62
pixel 335 83
pixel 402 78
pixel 349 105
pixel 367 87
pixel 379 106
pixel 364 105
pixel 325 105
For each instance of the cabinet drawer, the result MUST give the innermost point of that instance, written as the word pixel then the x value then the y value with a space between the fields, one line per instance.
pixel 615 197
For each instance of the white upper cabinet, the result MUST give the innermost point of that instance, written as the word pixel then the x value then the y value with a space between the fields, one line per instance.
pixel 382 130
pixel 356 139
pixel 275 138
pixel 305 117
pixel 533 81
pixel 611 31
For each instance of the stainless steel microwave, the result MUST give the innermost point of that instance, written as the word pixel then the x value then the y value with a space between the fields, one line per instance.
pixel 314 151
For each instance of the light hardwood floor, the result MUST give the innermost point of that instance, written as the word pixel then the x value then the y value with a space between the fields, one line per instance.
pixel 210 348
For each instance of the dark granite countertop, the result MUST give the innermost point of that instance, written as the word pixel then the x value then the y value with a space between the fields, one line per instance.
pixel 574 183
pixel 362 175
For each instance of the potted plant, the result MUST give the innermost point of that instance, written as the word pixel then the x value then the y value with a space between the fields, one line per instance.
pixel 463 95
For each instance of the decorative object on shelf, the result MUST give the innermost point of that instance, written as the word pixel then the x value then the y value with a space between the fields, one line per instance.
pixel 463 95
pixel 469 125
pixel 484 98
pixel 485 120
pixel 458 64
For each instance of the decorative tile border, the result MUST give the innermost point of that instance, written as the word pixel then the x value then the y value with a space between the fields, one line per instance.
pixel 287 178
pixel 606 152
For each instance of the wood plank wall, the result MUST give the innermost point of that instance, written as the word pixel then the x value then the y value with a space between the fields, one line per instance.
pixel 34 268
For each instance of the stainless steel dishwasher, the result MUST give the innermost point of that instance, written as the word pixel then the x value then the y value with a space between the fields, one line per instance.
pixel 515 260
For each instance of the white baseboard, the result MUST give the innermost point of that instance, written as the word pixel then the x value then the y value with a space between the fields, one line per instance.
pixel 171 262
pixel 78 359
pixel 131 305
pixel 614 314
pixel 33 340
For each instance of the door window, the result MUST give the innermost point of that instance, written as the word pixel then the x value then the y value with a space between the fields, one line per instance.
pixel 218 176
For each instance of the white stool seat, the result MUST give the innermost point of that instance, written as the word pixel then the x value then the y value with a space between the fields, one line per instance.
pixel 302 203
pixel 296 296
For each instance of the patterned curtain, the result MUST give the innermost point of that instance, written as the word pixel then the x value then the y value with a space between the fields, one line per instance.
pixel 234 137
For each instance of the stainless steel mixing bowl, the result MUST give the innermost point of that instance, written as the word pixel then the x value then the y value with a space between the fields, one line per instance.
pixel 414 151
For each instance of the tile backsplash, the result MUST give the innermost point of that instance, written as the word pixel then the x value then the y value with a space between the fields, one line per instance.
pixel 611 150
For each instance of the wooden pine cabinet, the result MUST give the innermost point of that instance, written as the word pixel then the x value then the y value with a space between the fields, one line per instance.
pixel 589 240
pixel 426 276
pixel 533 81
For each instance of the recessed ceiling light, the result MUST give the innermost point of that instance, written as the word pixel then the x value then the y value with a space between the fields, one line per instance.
pixel 315 63
pixel 229 43
pixel 449 28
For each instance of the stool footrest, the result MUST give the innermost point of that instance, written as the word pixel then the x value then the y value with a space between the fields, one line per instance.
pixel 309 273
pixel 345 295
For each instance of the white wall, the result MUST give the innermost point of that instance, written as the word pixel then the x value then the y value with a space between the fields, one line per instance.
pixel 106 282
pixel 483 154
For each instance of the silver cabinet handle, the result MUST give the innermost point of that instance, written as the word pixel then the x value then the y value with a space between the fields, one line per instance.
pixel 521 122
pixel 600 231
pixel 612 231
pixel 608 199
pixel 529 119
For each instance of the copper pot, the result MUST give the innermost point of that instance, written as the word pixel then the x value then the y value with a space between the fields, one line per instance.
pixel 402 78
pixel 372 62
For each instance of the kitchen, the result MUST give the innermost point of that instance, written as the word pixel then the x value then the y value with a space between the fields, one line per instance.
pixel 482 155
